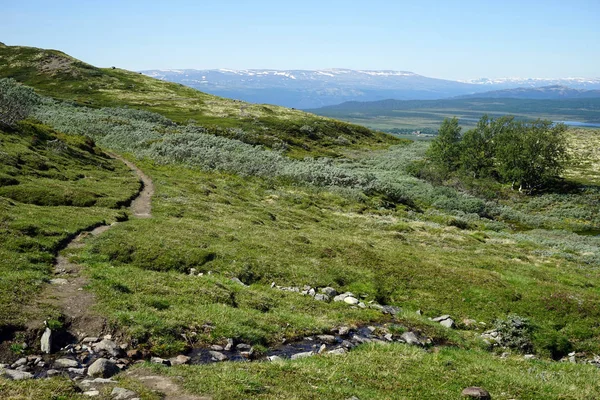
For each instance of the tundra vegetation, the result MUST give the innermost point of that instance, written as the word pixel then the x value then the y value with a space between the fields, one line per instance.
pixel 368 219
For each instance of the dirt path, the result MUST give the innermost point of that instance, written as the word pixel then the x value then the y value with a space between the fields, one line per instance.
pixel 66 291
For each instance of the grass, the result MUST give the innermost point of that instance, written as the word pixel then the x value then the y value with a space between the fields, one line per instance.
pixel 391 372
pixel 55 185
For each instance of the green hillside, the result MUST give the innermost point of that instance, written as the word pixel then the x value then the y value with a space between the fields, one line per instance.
pixel 55 74
pixel 237 231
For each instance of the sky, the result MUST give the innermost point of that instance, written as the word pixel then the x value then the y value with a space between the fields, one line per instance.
pixel 442 39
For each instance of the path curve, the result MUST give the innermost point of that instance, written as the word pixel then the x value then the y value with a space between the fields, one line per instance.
pixel 66 290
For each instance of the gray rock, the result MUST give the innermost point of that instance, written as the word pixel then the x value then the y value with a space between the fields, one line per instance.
pixel 161 361
pixel 23 368
pixel 58 281
pixel 389 337
pixel 337 352
pixel 440 318
pixel 216 347
pixel 89 339
pixel 243 346
pixel 361 305
pixel 529 357
pixel 321 297
pixel 122 394
pixel 20 362
pixel 65 363
pixel 474 392
pixel 103 368
pixel 86 383
pixel 343 331
pixel 53 372
pixel 448 323
pixel 3 366
pixel 108 346
pixel 329 291
pixel 16 375
pixel 92 393
pixel 341 297
pixel 312 292
pixel 229 345
pixel 322 349
pixel 330 339
pixel 236 280
pixel 351 300
pixel 392 310
pixel 180 360
pixel 218 356
pixel 411 338
pixel 77 371
pixel 274 358
pixel 302 355
pixel 46 341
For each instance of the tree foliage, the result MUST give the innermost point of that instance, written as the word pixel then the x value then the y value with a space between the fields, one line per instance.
pixel 16 102
pixel 526 154
pixel 445 149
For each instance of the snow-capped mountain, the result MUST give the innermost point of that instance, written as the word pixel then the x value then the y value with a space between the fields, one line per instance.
pixel 317 88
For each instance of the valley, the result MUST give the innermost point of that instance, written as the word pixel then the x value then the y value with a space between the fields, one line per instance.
pixel 258 215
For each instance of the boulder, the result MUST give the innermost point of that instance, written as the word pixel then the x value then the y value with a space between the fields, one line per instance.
pixel 16 375
pixel 103 368
pixel 109 347
pixel 65 363
pixel 411 338
pixel 474 392
pixel 46 341
pixel 180 360
pixel 218 356
pixel 351 300
pixel 329 291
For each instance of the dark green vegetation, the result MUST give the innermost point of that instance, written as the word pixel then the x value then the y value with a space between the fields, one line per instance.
pixel 390 114
pixel 529 155
pixel 362 223
pixel 52 185
pixel 53 73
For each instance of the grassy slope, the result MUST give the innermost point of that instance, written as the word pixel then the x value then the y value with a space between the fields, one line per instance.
pixel 55 74
pixel 51 186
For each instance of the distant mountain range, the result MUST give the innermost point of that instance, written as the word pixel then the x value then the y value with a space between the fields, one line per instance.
pixel 312 89
pixel 544 92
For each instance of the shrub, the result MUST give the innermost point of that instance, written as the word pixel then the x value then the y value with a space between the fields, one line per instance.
pixel 516 332
pixel 16 102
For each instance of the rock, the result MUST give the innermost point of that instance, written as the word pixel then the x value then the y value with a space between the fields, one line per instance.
pixel 337 352
pixel 440 318
pixel 161 361
pixel 469 322
pixel 312 292
pixel 326 338
pixel 53 372
pixel 341 297
pixel 65 363
pixel 180 360
pixel 236 280
pixel 322 349
pixel 419 312
pixel 58 281
pixel 23 368
pixel 20 362
pixel 3 366
pixel 274 358
pixel 329 291
pixel 216 347
pixel 351 300
pixel 103 368
pixel 302 355
pixel 218 356
pixel 389 337
pixel 193 271
pixel 392 310
pixel 529 357
pixel 16 375
pixel 243 346
pixel 411 338
pixel 92 393
pixel 343 331
pixel 77 371
pixel 321 297
pixel 362 305
pixel 476 393
pixel 86 383
pixel 122 394
pixel 229 345
pixel 108 346
pixel 46 341
pixel 448 323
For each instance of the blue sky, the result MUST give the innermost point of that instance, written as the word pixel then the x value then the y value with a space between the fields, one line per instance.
pixel 444 39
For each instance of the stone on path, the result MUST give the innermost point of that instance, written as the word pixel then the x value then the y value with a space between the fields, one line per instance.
pixel 474 392
pixel 103 368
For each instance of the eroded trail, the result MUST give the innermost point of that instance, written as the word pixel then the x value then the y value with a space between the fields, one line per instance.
pixel 67 289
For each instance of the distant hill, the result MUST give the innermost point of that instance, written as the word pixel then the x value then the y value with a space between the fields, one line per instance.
pixel 544 92
pixel 56 74
pixel 306 89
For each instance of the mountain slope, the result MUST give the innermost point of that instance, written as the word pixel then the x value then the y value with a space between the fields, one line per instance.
pixel 544 92
pixel 310 89
pixel 56 74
